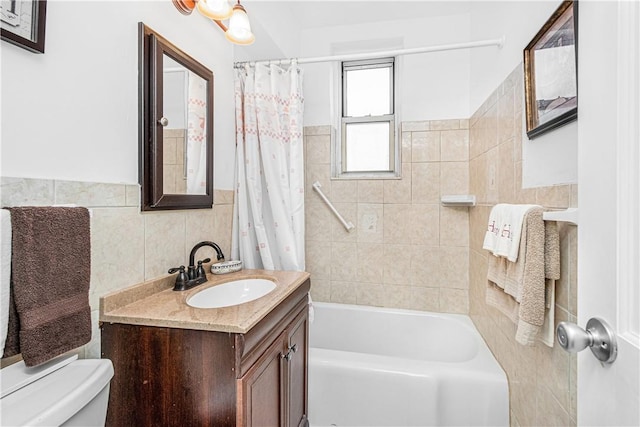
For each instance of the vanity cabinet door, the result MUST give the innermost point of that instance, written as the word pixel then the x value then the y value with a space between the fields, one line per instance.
pixel 273 392
pixel 260 390
pixel 296 367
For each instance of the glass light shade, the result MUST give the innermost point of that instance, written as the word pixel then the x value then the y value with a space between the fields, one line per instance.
pixel 214 9
pixel 239 31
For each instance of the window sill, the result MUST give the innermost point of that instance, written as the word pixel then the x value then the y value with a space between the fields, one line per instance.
pixel 351 176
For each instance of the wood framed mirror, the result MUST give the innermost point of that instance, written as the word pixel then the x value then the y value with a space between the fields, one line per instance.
pixel 176 126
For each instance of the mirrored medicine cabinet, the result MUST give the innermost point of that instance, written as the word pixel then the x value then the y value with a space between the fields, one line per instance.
pixel 176 126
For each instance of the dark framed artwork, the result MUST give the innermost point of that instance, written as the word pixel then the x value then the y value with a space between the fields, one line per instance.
pixel 22 23
pixel 551 72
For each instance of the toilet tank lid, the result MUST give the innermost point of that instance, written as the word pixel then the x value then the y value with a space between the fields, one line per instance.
pixel 18 375
pixel 56 397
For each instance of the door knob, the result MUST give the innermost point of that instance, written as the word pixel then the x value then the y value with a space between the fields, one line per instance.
pixel 598 336
pixel 163 121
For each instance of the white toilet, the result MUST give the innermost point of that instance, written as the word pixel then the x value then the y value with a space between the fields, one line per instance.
pixel 62 392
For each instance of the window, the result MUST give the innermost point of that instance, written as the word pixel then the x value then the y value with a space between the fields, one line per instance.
pixel 367 138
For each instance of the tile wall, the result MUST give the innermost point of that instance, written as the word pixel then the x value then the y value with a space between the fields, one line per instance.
pixel 406 251
pixel 173 169
pixel 542 380
pixel 127 246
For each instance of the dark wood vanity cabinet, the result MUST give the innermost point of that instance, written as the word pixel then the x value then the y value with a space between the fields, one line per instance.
pixel 182 377
pixel 273 391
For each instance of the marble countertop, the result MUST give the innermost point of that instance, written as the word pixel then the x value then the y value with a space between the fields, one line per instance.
pixel 155 303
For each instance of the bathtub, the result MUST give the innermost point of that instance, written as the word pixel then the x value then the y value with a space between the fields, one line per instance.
pixel 387 367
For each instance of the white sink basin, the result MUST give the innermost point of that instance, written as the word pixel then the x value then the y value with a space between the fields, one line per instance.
pixel 231 293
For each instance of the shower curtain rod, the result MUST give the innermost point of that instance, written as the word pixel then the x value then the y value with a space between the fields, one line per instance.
pixel 370 55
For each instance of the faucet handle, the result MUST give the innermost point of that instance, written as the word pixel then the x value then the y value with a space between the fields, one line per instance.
pixel 176 269
pixel 200 270
pixel 181 279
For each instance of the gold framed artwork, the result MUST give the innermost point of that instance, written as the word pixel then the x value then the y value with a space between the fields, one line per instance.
pixel 550 72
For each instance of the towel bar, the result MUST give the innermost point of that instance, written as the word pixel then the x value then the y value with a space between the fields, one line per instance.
pixel 72 205
pixel 568 215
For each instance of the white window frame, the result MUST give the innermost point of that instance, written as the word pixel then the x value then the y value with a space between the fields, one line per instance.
pixel 339 150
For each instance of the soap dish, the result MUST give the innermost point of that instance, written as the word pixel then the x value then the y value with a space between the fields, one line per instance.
pixel 226 267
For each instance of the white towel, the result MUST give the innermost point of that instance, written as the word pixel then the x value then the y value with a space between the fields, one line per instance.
pixel 504 229
pixel 496 217
pixel 5 259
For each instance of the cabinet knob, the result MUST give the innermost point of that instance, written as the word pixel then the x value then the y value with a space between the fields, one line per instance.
pixel 292 349
pixel 163 121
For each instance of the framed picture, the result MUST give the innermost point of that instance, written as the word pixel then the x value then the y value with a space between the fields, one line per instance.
pixel 22 23
pixel 550 72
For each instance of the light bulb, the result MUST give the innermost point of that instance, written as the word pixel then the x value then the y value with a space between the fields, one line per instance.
pixel 215 9
pixel 239 31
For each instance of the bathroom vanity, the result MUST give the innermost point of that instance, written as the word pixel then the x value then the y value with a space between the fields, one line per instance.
pixel 175 365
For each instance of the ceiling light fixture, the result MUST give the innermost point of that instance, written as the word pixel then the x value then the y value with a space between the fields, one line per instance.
pixel 238 30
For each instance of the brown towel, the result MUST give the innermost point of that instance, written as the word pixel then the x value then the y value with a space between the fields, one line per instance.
pixel 51 270
pixel 12 345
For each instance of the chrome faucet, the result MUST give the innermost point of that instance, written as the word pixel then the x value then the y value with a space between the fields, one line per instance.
pixel 194 275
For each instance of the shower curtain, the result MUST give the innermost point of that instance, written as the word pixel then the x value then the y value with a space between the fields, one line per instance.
pixel 196 135
pixel 268 226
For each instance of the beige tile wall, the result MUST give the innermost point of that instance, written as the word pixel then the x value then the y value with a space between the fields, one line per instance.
pixel 127 246
pixel 409 252
pixel 542 380
pixel 406 251
pixel 174 180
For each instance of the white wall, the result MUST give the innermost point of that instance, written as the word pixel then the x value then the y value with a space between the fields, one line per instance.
pixel 277 33
pixel 77 119
pixel 549 159
pixel 432 86
pixel 448 84
pixel 72 113
pixel 518 21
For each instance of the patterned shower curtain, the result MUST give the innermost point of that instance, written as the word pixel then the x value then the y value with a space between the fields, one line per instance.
pixel 268 226
pixel 196 135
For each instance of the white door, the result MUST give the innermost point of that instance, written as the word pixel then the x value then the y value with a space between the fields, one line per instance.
pixel 609 187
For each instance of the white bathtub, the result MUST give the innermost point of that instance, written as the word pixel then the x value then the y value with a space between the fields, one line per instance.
pixel 386 367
